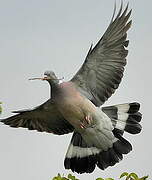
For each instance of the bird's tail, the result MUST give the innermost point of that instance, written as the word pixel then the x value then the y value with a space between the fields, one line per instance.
pixel 82 157
pixel 125 117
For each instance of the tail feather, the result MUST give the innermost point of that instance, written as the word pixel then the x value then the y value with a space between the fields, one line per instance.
pixel 125 117
pixel 114 154
pixel 133 107
pixel 82 158
pixel 123 146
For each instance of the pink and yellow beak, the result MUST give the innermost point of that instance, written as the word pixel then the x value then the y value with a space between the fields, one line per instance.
pixel 43 78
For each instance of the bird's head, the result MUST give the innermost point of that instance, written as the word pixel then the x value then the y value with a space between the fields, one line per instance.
pixel 48 76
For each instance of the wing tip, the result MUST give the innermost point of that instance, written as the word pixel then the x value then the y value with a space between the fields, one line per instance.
pixel 120 11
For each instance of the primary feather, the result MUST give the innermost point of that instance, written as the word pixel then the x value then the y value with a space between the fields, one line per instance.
pixel 102 71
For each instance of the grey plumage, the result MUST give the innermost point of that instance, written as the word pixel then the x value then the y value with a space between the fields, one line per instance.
pixel 75 105
pixel 125 117
pixel 44 118
pixel 103 68
pixel 81 153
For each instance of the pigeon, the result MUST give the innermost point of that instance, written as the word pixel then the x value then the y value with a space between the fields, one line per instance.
pixel 75 106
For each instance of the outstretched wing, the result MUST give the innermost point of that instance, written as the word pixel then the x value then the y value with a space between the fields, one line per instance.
pixel 102 71
pixel 43 118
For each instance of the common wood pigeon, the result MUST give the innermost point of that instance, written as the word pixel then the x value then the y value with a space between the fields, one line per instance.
pixel 75 106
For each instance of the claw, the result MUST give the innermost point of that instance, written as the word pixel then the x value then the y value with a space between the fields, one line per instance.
pixel 88 119
pixel 82 126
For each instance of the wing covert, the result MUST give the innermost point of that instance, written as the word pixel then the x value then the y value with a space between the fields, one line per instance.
pixel 43 118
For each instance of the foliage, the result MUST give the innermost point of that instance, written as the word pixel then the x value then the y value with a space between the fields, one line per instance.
pixel 127 176
pixel 0 108
pixel 104 179
pixel 70 177
pixel 132 176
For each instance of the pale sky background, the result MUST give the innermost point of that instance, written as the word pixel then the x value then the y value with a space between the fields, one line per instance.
pixel 55 35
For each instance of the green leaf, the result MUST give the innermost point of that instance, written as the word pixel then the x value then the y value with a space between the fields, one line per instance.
pixel 64 178
pixel 99 179
pixel 109 179
pixel 72 177
pixel 123 174
pixel 135 176
pixel 57 177
pixel 54 178
pixel 143 178
pixel 0 107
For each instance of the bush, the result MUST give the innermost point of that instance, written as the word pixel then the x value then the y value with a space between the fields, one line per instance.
pixel 124 176
pixel 0 108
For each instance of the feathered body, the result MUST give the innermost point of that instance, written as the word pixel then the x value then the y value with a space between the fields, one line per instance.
pixel 75 106
pixel 72 105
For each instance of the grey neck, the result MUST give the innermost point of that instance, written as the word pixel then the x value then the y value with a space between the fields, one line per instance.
pixel 54 89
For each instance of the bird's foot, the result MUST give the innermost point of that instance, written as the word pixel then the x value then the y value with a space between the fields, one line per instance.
pixel 82 126
pixel 88 119
pixel 86 122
